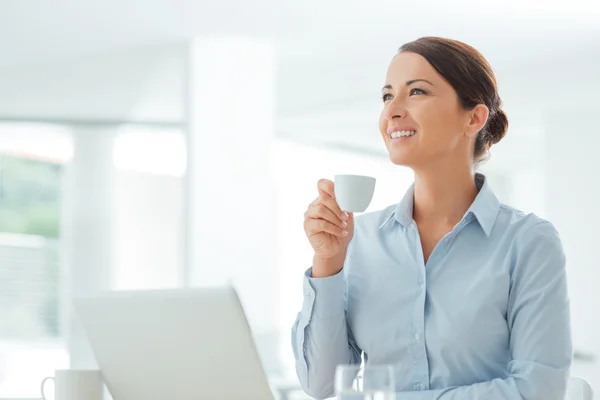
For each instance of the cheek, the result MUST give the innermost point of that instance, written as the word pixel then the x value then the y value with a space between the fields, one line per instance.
pixel 382 124
pixel 441 124
pixel 433 119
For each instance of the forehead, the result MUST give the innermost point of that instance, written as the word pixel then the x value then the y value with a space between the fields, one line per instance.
pixel 406 66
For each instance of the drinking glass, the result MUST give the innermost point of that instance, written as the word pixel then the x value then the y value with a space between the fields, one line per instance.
pixel 370 382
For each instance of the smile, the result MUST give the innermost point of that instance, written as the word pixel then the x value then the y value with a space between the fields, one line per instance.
pixel 402 134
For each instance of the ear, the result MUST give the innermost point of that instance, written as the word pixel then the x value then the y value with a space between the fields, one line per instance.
pixel 476 119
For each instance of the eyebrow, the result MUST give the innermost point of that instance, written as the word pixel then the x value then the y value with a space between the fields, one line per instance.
pixel 408 83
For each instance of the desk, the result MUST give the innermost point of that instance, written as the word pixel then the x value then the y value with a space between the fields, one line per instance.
pixel 283 391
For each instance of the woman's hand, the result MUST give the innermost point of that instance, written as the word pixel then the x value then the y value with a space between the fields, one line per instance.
pixel 329 231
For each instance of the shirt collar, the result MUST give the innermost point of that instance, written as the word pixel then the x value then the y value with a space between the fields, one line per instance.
pixel 403 211
pixel 485 207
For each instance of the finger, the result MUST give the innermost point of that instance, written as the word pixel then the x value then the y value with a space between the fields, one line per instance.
pixel 321 211
pixel 317 200
pixel 326 186
pixel 315 226
pixel 333 205
pixel 330 203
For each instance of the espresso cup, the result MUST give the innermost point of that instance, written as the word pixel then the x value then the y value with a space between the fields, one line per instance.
pixel 75 384
pixel 354 193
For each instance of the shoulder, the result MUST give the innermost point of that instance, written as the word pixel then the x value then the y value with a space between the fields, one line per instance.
pixel 520 225
pixel 536 245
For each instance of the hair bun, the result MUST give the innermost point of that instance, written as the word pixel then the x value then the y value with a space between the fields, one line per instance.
pixel 497 127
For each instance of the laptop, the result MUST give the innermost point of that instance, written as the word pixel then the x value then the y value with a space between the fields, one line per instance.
pixel 179 344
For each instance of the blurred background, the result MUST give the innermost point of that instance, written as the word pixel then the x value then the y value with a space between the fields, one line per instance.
pixel 162 144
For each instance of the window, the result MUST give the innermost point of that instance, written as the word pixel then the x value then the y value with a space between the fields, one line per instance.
pixel 31 345
pixel 149 167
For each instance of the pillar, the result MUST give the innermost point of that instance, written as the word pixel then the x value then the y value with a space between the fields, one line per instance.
pixel 230 119
pixel 86 229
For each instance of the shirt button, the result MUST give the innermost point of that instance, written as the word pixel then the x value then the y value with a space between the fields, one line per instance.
pixel 422 386
pixel 417 336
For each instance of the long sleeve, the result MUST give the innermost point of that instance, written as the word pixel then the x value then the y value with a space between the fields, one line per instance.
pixel 320 336
pixel 539 320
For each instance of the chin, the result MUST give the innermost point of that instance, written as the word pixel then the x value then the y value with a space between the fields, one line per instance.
pixel 402 159
pixel 401 162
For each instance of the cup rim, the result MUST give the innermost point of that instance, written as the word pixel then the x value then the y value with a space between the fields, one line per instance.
pixel 354 176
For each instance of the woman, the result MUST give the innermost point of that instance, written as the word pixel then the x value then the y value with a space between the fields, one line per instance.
pixel 466 297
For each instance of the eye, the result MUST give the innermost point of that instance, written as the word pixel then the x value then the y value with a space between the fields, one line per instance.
pixel 386 97
pixel 417 91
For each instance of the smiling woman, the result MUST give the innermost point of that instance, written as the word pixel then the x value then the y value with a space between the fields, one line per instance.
pixel 465 297
pixel 426 88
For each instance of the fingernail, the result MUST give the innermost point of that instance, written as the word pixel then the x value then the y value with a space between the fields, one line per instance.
pixel 344 233
pixel 344 215
pixel 344 224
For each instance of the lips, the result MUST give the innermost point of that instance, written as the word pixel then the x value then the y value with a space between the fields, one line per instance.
pixel 401 131
pixel 402 134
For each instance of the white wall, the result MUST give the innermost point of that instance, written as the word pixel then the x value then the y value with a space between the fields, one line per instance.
pixel 148 231
pixel 572 199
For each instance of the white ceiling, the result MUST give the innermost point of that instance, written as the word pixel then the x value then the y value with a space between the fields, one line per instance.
pixel 33 30
pixel 332 54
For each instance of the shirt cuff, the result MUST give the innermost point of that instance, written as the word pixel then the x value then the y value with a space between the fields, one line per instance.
pixel 326 295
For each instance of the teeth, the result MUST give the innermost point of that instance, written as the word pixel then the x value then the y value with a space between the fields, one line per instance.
pixel 398 134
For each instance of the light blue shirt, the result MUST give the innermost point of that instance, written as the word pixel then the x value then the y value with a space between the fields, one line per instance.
pixel 486 318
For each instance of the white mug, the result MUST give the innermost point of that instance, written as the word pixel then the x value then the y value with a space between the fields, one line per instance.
pixel 354 193
pixel 75 384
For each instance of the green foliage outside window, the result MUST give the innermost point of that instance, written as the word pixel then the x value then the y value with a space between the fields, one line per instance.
pixel 29 276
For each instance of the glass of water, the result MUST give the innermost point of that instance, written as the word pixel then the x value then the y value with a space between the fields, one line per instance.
pixel 370 382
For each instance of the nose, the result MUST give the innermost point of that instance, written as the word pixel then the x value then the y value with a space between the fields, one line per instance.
pixel 395 110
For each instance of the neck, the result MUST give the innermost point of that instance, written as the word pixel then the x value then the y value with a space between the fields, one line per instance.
pixel 443 195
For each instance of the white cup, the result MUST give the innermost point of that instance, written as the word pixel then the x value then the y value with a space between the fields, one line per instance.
pixel 75 384
pixel 354 192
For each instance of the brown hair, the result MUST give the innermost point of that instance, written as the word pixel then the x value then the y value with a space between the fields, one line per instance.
pixel 473 79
